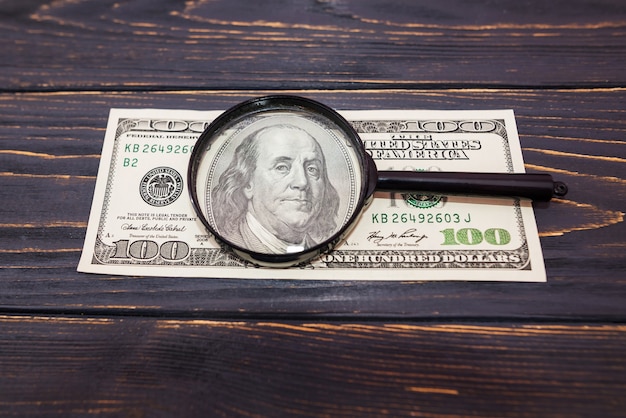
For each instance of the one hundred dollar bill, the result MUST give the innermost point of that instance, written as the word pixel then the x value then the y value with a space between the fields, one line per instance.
pixel 142 220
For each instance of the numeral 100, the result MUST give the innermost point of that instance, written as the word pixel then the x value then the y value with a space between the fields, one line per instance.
pixel 473 236
pixel 147 250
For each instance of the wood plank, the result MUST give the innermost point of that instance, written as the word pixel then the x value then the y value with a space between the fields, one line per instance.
pixel 78 345
pixel 49 159
pixel 65 366
pixel 354 44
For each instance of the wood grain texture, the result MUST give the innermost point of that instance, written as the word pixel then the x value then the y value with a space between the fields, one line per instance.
pixel 51 145
pixel 143 367
pixel 67 44
pixel 82 345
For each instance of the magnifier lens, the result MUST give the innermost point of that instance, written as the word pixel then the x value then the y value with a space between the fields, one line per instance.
pixel 279 179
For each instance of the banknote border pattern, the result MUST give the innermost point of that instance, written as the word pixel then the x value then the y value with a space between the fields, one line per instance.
pixel 223 257
pixel 100 248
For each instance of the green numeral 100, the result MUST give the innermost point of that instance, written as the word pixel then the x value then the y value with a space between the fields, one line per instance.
pixel 473 236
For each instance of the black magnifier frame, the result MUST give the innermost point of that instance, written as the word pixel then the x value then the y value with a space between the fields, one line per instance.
pixel 222 138
pixel 300 107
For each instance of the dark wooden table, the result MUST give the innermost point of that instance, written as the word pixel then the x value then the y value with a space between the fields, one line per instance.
pixel 74 344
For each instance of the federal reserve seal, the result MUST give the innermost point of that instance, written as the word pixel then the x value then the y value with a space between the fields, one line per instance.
pixel 422 201
pixel 161 186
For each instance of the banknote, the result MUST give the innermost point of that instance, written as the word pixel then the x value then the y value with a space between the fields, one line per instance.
pixel 143 222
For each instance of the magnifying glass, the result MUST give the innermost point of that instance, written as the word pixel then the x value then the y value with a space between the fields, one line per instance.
pixel 283 179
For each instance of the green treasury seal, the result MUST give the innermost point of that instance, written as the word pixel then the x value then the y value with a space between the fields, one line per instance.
pixel 422 201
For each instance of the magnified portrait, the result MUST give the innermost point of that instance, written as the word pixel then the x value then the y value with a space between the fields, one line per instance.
pixel 281 184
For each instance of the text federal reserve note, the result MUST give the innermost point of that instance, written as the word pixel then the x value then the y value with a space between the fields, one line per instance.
pixel 142 221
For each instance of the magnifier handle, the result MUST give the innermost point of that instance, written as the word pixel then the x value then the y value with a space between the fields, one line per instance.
pixel 540 187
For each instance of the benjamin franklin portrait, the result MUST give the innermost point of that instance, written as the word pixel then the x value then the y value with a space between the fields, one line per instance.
pixel 275 196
